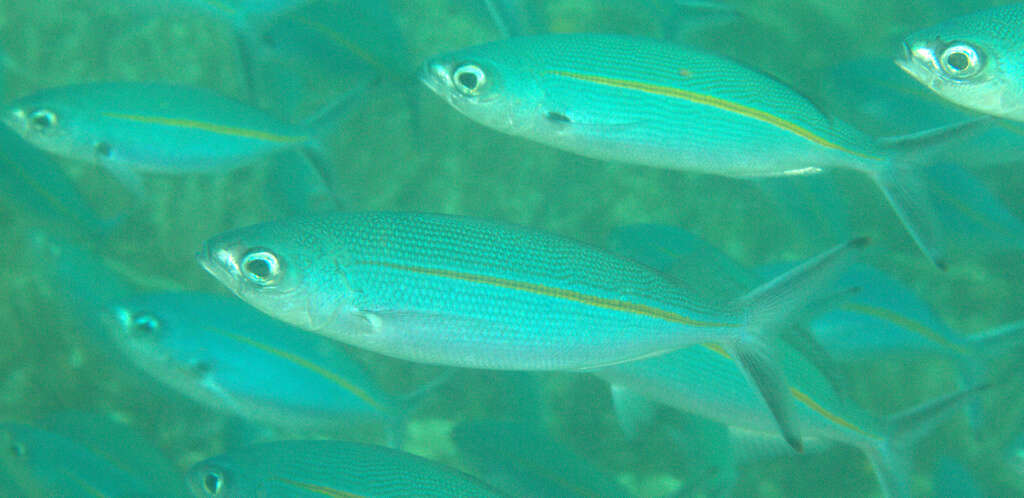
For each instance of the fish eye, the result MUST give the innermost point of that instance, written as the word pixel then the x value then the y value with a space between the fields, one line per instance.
pixel 144 324
pixel 212 483
pixel 960 60
pixel 261 266
pixel 469 79
pixel 42 119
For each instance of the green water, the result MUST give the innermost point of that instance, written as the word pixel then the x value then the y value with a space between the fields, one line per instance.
pixel 436 160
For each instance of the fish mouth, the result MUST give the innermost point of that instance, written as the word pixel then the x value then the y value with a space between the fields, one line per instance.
pixel 218 262
pixel 918 61
pixel 435 76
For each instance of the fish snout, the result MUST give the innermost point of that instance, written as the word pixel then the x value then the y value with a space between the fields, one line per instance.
pixel 436 76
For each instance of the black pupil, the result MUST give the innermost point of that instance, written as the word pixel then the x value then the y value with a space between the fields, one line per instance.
pixel 212 483
pixel 103 149
pixel 145 324
pixel 258 267
pixel 41 120
pixel 958 61
pixel 17 450
pixel 468 80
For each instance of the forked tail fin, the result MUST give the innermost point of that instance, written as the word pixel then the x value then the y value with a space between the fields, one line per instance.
pixel 771 306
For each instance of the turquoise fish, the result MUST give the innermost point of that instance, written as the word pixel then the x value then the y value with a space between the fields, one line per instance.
pixel 466 292
pixel 328 468
pixel 222 353
pixel 132 128
pixel 974 61
pixel 651 103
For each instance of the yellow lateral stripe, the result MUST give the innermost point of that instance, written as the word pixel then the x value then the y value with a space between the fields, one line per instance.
pixel 902 321
pixel 810 403
pixel 218 129
pixel 725 105
pixel 316 488
pixel 555 292
pixel 803 398
pixel 304 363
pixel 717 349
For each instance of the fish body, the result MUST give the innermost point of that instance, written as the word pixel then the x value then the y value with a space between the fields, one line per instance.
pixel 703 380
pixel 149 127
pixel 652 103
pixel 222 353
pixel 461 291
pixel 327 468
pixel 646 102
pixel 974 61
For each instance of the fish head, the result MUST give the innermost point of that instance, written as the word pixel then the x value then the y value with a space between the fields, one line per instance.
pixel 278 269
pixel 48 122
pixel 499 95
pixel 976 62
pixel 146 329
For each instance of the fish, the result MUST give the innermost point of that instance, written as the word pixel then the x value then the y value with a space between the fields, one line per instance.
pixel 652 103
pixel 973 61
pixel 703 380
pixel 473 293
pixel 328 468
pixel 222 353
pixel 522 460
pixel 45 463
pixel 132 128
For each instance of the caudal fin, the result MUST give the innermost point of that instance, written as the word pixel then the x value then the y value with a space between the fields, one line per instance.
pixel 770 307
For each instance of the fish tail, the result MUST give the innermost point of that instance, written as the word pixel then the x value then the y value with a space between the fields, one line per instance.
pixel 907 192
pixel 769 307
pixel 891 456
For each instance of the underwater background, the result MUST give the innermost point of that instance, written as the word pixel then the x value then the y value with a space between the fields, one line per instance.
pixel 404 149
